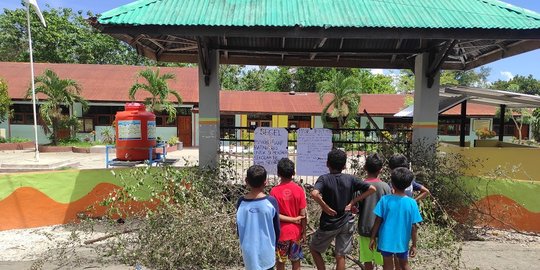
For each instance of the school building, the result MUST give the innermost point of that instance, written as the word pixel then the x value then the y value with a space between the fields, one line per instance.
pixel 106 88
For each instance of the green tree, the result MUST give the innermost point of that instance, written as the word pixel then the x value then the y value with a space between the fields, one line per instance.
pixel 471 78
pixel 68 38
pixel 519 116
pixel 306 79
pixel 346 93
pixel 520 84
pixel 535 124
pixel 278 80
pixel 230 76
pixel 158 87
pixel 374 83
pixel 5 102
pixel 59 92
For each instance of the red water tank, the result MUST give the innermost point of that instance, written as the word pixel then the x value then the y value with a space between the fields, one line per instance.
pixel 135 133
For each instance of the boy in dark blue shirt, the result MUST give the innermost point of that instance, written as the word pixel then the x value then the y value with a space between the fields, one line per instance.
pixel 257 219
pixel 335 193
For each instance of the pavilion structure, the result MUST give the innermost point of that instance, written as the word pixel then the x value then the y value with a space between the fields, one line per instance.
pixel 422 35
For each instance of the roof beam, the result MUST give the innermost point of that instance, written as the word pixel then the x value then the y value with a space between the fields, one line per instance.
pixel 515 100
pixel 398 46
pixel 318 51
pixel 320 32
pixel 511 50
pixel 225 42
pixel 319 44
pixel 438 60
pixel 283 47
pixel 204 52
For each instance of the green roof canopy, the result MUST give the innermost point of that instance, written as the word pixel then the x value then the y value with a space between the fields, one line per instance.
pixel 485 14
pixel 461 34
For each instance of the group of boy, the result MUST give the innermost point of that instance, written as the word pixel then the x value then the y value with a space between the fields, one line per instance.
pixel 272 228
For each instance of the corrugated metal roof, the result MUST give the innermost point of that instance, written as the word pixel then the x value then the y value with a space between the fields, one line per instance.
pixel 483 14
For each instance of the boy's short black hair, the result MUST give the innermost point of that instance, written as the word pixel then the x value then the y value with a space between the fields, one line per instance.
pixel 285 168
pixel 401 178
pixel 256 175
pixel 374 163
pixel 336 159
pixel 398 161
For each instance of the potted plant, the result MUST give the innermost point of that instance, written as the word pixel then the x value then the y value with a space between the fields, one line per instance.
pixel 483 134
pixel 174 142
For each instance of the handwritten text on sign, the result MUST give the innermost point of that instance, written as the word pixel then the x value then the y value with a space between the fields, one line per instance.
pixel 270 147
pixel 313 147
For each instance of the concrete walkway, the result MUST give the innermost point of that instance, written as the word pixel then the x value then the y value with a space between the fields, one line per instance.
pixel 23 160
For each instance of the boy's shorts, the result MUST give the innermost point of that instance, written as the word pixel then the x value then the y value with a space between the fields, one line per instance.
pixel 289 249
pixel 401 256
pixel 368 255
pixel 322 239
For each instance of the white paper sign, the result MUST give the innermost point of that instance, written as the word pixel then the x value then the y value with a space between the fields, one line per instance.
pixel 270 147
pixel 313 147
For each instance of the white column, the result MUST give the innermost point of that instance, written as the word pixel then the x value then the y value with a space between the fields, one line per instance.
pixel 426 104
pixel 209 113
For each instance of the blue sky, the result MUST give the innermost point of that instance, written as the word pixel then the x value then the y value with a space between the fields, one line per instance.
pixel 523 64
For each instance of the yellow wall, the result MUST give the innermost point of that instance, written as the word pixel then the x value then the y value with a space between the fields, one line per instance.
pixel 280 121
pixel 517 163
pixel 243 120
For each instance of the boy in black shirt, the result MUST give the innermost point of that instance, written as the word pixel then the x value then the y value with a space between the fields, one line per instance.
pixel 334 192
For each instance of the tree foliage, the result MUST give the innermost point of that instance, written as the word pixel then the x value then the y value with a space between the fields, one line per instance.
pixel 5 102
pixel 68 38
pixel 473 78
pixel 345 100
pixel 157 86
pixel 299 79
pixel 520 84
pixel 59 92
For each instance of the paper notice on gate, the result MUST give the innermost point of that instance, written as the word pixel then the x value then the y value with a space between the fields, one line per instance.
pixel 313 146
pixel 270 146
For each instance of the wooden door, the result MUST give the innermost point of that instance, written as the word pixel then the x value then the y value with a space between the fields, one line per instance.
pixel 304 124
pixel 184 129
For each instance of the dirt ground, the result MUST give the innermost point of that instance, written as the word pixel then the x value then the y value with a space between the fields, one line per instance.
pixel 498 250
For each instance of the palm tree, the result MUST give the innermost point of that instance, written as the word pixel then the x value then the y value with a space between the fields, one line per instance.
pixel 158 87
pixel 59 92
pixel 346 97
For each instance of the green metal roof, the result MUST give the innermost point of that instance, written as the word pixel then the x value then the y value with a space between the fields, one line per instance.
pixel 444 14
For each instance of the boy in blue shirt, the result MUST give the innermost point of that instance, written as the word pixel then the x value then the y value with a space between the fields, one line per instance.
pixel 396 221
pixel 257 219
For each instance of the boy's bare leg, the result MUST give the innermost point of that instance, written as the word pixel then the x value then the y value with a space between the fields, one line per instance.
pixel 396 263
pixel 388 263
pixel 296 265
pixel 368 265
pixel 280 265
pixel 340 262
pixel 404 264
pixel 317 258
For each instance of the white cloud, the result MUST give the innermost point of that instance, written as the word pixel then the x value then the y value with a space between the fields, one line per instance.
pixel 376 71
pixel 507 75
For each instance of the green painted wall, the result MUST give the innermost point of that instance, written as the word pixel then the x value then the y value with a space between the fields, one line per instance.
pixel 27 131
pixel 526 193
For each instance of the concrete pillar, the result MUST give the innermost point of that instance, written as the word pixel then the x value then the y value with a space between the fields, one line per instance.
pixel 426 104
pixel 209 113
